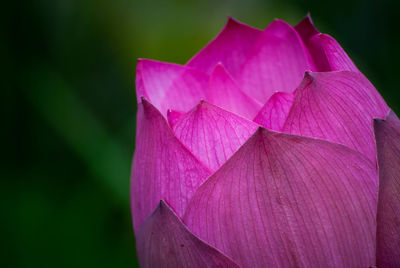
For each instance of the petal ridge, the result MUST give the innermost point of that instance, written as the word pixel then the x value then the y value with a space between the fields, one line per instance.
pixel 213 134
pixel 339 107
pixel 163 168
pixel 273 203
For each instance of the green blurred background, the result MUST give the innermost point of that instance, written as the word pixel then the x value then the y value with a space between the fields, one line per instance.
pixel 69 107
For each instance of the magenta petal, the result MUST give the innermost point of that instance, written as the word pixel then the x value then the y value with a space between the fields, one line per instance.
pixel 230 48
pixel 328 55
pixel 339 107
pixel 170 86
pixel 387 133
pixel 225 93
pixel 306 28
pixel 273 114
pixel 289 201
pixel 173 116
pixel 162 168
pixel 213 134
pixel 276 63
pixel 164 241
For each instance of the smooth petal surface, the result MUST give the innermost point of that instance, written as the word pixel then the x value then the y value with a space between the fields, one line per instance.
pixel 225 93
pixel 170 86
pixel 339 107
pixel 306 29
pixel 387 133
pixel 328 55
pixel 273 114
pixel 213 134
pixel 230 48
pixel 164 241
pixel 289 201
pixel 276 63
pixel 162 168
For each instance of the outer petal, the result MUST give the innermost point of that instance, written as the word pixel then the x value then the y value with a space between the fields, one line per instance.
pixel 224 92
pixel 230 48
pixel 162 168
pixel 339 107
pixel 289 201
pixel 213 134
pixel 387 133
pixel 273 114
pixel 164 241
pixel 306 28
pixel 328 55
pixel 277 62
pixel 170 86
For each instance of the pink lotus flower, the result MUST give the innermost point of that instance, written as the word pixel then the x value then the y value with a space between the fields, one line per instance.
pixel 263 151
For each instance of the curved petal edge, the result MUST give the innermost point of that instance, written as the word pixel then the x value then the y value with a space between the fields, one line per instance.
pixel 164 241
pixel 230 47
pixel 387 134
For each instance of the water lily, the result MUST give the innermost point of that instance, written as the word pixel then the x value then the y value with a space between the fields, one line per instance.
pixel 269 148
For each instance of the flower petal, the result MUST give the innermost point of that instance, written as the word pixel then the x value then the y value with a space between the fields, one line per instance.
pixel 162 168
pixel 328 55
pixel 306 28
pixel 170 86
pixel 387 133
pixel 164 241
pixel 273 114
pixel 276 63
pixel 224 92
pixel 213 134
pixel 173 116
pixel 289 201
pixel 339 107
pixel 230 48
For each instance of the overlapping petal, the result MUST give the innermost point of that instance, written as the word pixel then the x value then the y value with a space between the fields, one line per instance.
pixel 230 48
pixel 277 62
pixel 328 55
pixel 273 114
pixel 162 168
pixel 164 241
pixel 339 107
pixel 387 133
pixel 225 93
pixel 306 29
pixel 213 134
pixel 170 86
pixel 289 201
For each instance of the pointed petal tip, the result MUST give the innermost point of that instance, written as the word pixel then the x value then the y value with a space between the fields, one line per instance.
pixel 231 21
pixel 308 18
pixel 219 67
pixel 390 116
pixel 163 205
pixel 309 76
pixel 149 109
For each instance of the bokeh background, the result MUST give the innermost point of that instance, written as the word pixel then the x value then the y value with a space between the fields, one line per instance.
pixel 68 107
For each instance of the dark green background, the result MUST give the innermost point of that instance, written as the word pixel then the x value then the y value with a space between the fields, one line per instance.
pixel 68 107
